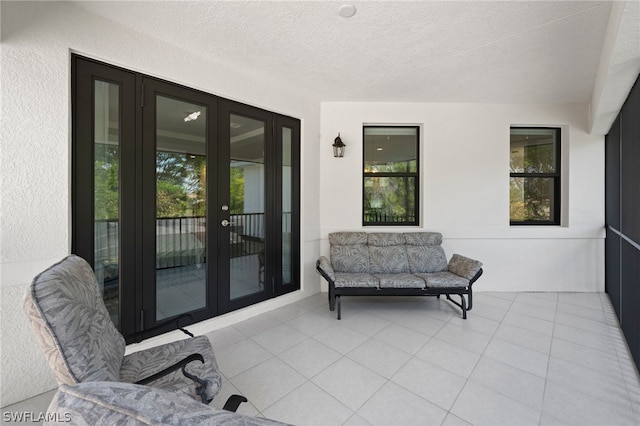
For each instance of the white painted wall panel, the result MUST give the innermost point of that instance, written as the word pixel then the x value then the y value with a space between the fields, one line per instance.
pixel 465 189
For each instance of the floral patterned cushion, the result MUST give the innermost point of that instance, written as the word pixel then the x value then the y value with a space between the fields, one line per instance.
pixel 349 252
pixel 344 279
pixel 387 253
pixel 110 403
pixel 426 259
pixel 423 238
pixel 464 266
pixel 138 365
pixel 400 281
pixel 68 315
pixel 425 252
pixel 444 279
pixel 81 343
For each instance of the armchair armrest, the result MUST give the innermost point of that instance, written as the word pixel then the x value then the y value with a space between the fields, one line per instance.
pixel 180 364
pixel 464 266
pixel 201 389
pixel 323 266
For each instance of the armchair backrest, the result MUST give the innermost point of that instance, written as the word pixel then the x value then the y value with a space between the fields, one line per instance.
pixel 73 326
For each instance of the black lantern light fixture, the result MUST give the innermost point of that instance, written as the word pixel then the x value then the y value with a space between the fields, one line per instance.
pixel 338 147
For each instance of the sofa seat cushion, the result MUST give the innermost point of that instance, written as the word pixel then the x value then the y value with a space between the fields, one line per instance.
pixel 444 279
pixel 345 279
pixel 400 281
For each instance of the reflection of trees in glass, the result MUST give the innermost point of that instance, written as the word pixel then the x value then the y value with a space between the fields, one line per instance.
pixel 106 169
pixel 531 196
pixel 531 199
pixel 516 195
pixel 390 198
pixel 180 185
pixel 236 187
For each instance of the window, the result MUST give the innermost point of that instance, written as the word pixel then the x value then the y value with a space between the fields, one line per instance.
pixel 535 176
pixel 390 178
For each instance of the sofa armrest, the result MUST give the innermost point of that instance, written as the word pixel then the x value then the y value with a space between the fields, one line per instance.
pixel 323 266
pixel 464 266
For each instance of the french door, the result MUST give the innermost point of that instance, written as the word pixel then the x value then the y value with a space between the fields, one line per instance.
pixel 185 203
pixel 258 204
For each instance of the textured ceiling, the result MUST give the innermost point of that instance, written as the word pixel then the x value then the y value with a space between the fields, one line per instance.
pixel 421 51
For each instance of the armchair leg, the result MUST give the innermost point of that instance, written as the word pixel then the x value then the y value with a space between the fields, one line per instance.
pixel 234 402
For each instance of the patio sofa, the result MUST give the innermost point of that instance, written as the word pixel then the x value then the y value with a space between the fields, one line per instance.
pixel 396 264
pixel 117 403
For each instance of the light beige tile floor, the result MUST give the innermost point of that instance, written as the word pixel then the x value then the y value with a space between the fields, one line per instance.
pixel 519 359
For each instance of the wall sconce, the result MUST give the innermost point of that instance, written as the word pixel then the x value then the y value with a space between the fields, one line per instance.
pixel 338 147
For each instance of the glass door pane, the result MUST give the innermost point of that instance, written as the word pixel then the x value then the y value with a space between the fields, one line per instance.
pixel 246 206
pixel 181 194
pixel 287 204
pixel 106 200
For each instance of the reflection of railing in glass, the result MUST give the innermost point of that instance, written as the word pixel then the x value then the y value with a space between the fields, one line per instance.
pixel 382 217
pixel 181 240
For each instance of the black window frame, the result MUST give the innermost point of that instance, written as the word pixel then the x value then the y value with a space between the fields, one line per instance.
pixel 415 175
pixel 556 176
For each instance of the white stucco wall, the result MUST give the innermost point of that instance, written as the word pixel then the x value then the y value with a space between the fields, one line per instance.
pixel 37 41
pixel 464 190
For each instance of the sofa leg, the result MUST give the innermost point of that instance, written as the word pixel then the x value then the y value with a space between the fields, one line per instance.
pixel 339 305
pixel 332 299
pixel 462 305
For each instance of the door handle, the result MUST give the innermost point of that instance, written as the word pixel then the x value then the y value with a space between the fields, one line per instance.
pixel 225 222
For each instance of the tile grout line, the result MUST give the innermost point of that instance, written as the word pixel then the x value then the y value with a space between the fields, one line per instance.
pixel 468 379
pixel 546 376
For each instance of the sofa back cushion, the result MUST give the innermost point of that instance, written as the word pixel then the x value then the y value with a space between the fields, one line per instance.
pixel 424 252
pixel 349 252
pixel 387 253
